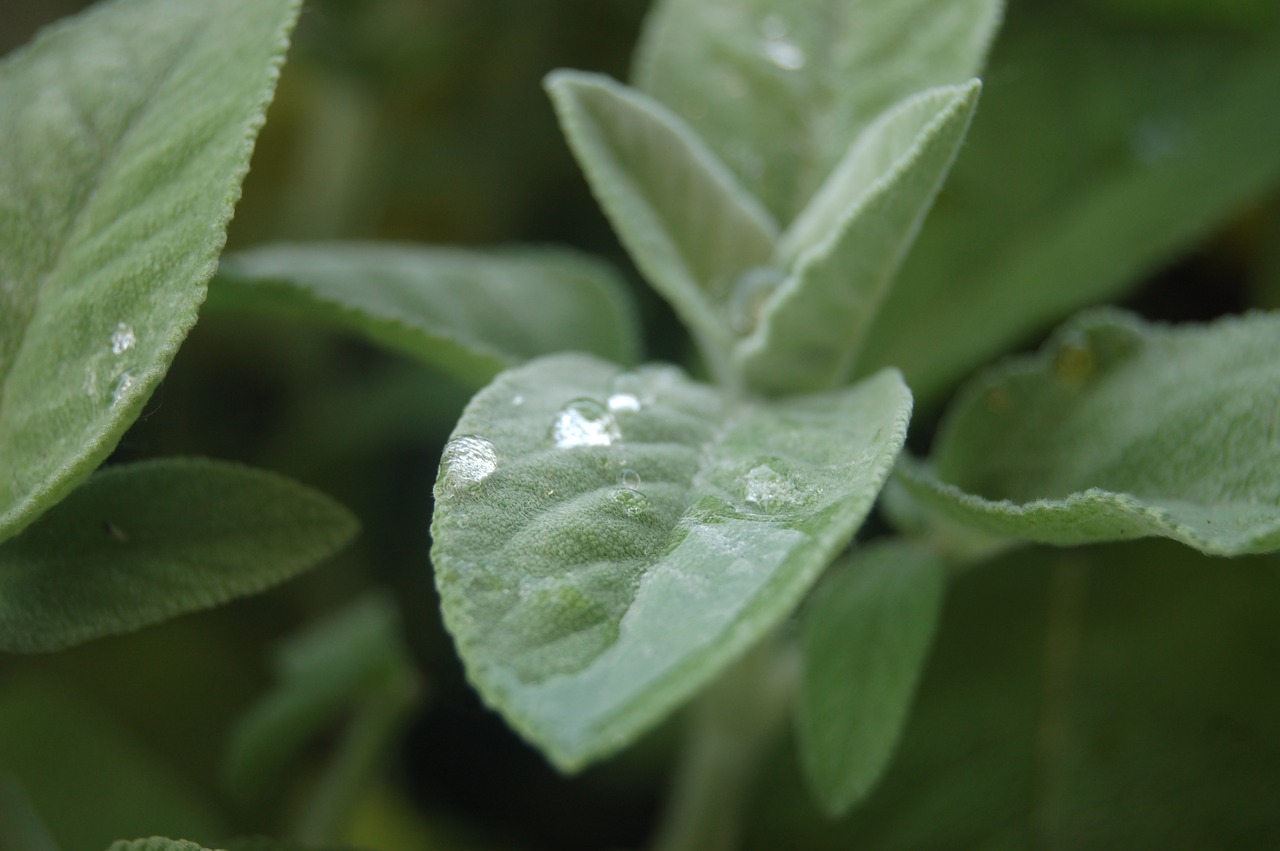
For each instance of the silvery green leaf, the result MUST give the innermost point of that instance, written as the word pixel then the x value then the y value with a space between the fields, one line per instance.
pixel 843 251
pixel 688 225
pixel 605 541
pixel 1120 429
pixel 471 313
pixel 124 135
pixel 780 90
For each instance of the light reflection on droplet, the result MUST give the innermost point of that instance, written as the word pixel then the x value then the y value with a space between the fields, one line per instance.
pixel 584 422
pixel 467 460
pixel 623 402
pixel 123 385
pixel 769 489
pixel 630 479
pixel 122 339
pixel 785 54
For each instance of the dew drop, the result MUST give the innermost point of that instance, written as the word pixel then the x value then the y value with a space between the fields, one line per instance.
pixel 784 53
pixel 630 479
pixel 517 400
pixel 467 460
pixel 624 403
pixel 769 489
pixel 584 422
pixel 122 339
pixel 123 385
pixel 633 502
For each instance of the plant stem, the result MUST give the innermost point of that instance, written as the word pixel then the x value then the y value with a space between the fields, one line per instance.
pixel 728 728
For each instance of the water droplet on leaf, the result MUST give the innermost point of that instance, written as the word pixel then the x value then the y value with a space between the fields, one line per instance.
pixel 630 479
pixel 784 53
pixel 620 402
pixel 584 422
pixel 769 489
pixel 467 460
pixel 122 339
pixel 633 502
pixel 123 385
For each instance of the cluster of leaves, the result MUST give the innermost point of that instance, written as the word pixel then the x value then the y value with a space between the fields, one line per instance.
pixel 611 540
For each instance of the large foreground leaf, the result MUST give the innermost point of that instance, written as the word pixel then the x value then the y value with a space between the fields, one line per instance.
pixel 866 635
pixel 780 90
pixel 1120 429
pixel 138 544
pixel 607 541
pixel 1120 697
pixel 843 251
pixel 1101 150
pixel 470 313
pixel 688 225
pixel 124 135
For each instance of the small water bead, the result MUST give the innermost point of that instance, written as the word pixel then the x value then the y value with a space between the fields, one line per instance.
pixel 777 48
pixel 122 339
pixel 123 385
pixel 584 422
pixel 467 461
pixel 517 400
pixel 633 502
pixel 630 479
pixel 769 489
pixel 623 402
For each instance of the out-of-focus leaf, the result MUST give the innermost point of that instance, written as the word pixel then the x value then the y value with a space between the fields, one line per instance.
pixel 1101 150
pixel 1120 697
pixel 20 825
pixel 470 313
pixel 124 135
pixel 866 635
pixel 1120 429
pixel 141 543
pixel 843 251
pixel 606 542
pixel 779 91
pixel 157 843
pixel 688 225
pixel 89 783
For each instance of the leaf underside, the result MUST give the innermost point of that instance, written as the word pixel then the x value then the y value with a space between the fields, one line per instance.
pixel 138 544
pixel 463 311
pixel 1120 429
pixel 124 135
pixel 606 541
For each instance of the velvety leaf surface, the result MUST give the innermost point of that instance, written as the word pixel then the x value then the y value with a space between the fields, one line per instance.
pixel 606 541
pixel 156 843
pixel 1101 150
pixel 779 91
pixel 866 635
pixel 843 251
pixel 1119 697
pixel 322 672
pixel 124 135
pixel 88 781
pixel 141 543
pixel 471 313
pixel 688 225
pixel 1120 429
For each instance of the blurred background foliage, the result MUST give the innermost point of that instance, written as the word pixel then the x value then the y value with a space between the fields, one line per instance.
pixel 1110 697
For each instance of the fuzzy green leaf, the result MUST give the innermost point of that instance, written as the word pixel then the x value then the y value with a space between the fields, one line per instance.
pixel 1100 152
pixel 20 825
pixel 470 313
pixel 780 90
pixel 866 635
pixel 607 541
pixel 141 543
pixel 1120 429
pixel 124 135
pixel 156 843
pixel 843 251
pixel 688 225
